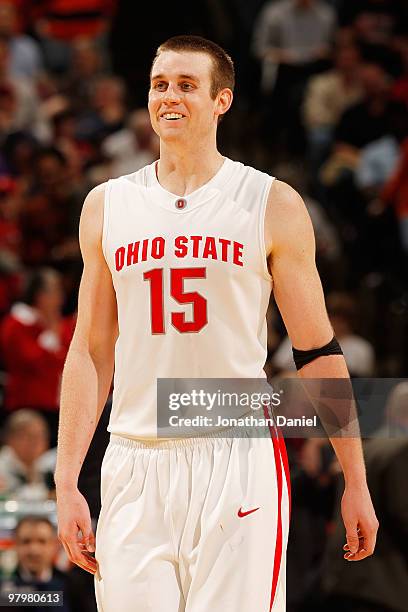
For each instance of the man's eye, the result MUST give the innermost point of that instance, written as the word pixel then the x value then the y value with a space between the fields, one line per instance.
pixel 160 86
pixel 186 86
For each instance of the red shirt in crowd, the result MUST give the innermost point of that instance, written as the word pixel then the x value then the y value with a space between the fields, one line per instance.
pixel 33 358
pixel 70 19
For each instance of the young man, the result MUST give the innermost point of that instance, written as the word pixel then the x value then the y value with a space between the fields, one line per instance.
pixel 190 524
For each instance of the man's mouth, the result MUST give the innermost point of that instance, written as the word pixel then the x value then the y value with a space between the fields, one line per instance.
pixel 171 116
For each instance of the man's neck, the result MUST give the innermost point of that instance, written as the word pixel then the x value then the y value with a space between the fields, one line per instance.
pixel 184 172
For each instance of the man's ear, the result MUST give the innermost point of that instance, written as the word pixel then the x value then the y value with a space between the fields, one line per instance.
pixel 225 98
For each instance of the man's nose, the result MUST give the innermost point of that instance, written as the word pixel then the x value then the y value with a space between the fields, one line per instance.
pixel 171 94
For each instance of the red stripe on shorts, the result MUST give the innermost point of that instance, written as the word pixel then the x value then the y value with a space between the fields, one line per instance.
pixel 285 461
pixel 278 543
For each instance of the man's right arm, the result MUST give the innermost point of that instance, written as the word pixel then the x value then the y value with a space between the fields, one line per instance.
pixel 86 382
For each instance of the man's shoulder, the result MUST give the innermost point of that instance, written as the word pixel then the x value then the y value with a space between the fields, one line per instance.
pixel 287 215
pixel 283 196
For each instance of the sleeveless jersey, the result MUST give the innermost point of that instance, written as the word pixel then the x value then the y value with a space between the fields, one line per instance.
pixel 192 285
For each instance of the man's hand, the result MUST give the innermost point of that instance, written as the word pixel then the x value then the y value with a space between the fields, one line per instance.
pixel 74 517
pixel 360 522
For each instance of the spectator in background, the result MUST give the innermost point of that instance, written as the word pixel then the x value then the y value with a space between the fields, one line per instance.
pixel 50 217
pixel 26 470
pixel 399 90
pixel 294 32
pixel 366 121
pixel 380 177
pixel 10 244
pixel 378 160
pixel 19 103
pixel 133 147
pixel 65 140
pixel 396 411
pixel 358 352
pixel 36 548
pixel 360 124
pixel 292 40
pixel 18 156
pixel 327 96
pixel 395 194
pixel 34 340
pixel 375 25
pixel 25 53
pixel 85 69
pixel 59 23
pixel 381 18
pixel 10 237
pixel 382 585
pixel 108 110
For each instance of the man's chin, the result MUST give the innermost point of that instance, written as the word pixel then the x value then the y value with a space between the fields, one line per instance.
pixel 172 135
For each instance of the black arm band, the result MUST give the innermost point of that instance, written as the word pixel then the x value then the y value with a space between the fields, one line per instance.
pixel 301 358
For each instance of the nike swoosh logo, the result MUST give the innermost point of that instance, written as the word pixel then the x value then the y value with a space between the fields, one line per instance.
pixel 241 513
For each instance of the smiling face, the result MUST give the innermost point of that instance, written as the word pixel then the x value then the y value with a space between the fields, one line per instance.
pixel 180 104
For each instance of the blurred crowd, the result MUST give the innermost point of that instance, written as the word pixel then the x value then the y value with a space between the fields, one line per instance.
pixel 322 103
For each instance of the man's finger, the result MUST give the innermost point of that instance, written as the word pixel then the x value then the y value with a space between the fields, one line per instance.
pixel 78 556
pixel 87 536
pixel 361 554
pixel 352 538
pixel 367 539
pixel 84 560
pixel 361 539
pixel 85 563
pixel 88 540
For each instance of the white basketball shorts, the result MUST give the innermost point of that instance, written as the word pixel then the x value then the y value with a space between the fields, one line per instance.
pixel 193 525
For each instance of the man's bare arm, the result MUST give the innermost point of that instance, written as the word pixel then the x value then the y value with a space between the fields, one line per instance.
pixel 86 381
pixel 299 296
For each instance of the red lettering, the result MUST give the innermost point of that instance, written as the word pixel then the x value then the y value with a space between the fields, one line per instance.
pixel 120 258
pixel 210 250
pixel 144 249
pixel 224 246
pixel 155 277
pixel 196 242
pixel 180 244
pixel 238 253
pixel 158 247
pixel 132 253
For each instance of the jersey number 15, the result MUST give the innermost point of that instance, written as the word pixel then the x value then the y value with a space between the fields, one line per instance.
pixel 178 319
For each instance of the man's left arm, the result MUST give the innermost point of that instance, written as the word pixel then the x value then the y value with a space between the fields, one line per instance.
pixel 299 296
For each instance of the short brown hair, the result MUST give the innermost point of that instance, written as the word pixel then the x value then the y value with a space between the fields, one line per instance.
pixel 223 73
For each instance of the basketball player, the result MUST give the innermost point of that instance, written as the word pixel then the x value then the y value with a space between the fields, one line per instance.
pixel 179 259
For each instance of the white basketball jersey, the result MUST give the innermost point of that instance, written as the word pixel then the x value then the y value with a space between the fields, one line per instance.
pixel 191 282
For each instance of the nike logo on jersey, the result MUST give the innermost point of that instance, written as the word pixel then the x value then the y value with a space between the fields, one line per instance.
pixel 241 513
